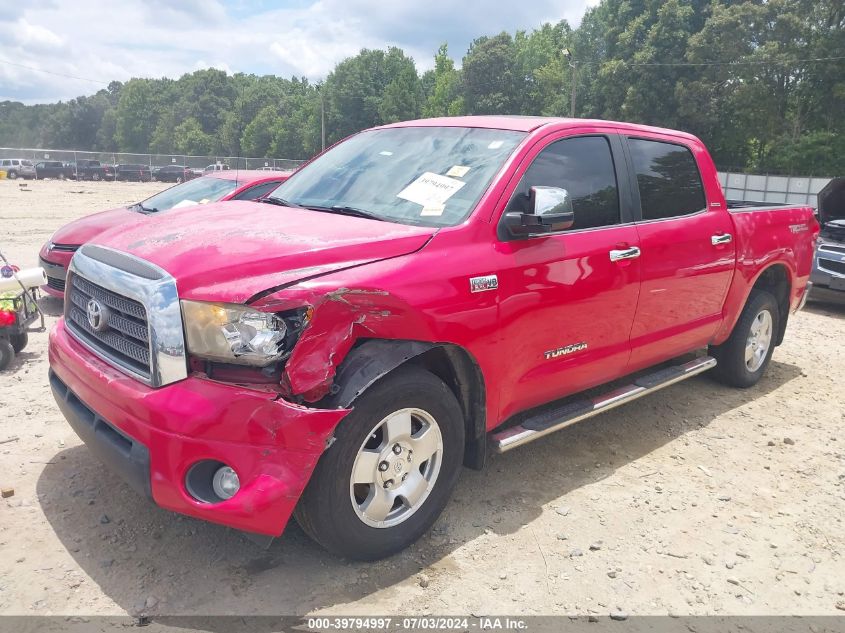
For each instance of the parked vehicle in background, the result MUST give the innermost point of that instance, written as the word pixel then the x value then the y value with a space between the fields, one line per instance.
pixel 56 254
pixel 829 264
pixel 174 173
pixel 132 171
pixel 52 169
pixel 17 168
pixel 427 290
pixel 85 169
pixel 216 167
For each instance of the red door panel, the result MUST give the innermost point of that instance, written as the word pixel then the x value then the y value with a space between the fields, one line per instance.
pixel 560 291
pixel 684 282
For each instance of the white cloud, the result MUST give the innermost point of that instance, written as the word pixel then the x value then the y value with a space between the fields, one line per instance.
pixel 105 41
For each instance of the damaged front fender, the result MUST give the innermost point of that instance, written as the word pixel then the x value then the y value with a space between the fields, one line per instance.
pixel 339 319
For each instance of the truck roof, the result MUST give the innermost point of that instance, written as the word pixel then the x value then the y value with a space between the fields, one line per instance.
pixel 520 123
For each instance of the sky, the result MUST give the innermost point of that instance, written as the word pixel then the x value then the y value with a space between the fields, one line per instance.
pixel 88 43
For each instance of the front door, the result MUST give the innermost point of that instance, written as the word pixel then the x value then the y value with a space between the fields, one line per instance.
pixel 687 253
pixel 565 307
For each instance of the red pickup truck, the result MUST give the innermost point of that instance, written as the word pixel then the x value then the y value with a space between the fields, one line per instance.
pixel 415 297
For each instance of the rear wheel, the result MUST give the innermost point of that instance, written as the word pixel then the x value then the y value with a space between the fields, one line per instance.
pixel 743 358
pixel 95 176
pixel 391 470
pixel 11 175
pixel 7 353
pixel 19 341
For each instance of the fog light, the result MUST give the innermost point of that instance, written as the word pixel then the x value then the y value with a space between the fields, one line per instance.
pixel 225 482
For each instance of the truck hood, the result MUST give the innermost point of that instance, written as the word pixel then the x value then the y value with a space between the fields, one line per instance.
pixel 231 251
pixel 87 228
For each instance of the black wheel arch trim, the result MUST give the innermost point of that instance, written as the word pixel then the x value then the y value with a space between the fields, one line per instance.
pixel 373 359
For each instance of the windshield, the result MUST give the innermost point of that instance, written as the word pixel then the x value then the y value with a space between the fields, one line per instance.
pixel 199 191
pixel 429 176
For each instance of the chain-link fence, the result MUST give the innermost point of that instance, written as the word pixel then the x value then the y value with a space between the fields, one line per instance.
pixel 153 161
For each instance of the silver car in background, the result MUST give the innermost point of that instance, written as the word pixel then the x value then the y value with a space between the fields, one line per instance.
pixel 18 168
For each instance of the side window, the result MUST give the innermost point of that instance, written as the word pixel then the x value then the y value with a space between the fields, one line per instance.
pixel 258 191
pixel 584 167
pixel 667 178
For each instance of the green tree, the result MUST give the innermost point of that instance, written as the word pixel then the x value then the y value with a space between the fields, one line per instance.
pixel 189 138
pixel 491 79
pixel 444 96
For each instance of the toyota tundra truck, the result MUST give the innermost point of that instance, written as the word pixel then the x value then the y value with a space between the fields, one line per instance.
pixel 419 296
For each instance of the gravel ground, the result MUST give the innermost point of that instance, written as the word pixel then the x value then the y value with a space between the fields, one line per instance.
pixel 696 500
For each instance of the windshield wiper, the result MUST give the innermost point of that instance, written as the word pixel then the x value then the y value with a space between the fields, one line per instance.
pixel 140 207
pixel 346 210
pixel 280 202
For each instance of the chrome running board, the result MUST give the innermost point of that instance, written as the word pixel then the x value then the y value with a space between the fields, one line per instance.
pixel 543 424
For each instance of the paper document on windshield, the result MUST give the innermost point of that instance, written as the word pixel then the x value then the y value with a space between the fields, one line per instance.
pixel 184 203
pixel 431 190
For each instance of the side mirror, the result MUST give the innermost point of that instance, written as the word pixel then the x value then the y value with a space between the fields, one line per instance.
pixel 551 211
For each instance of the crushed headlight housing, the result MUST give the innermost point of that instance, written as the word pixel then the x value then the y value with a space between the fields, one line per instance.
pixel 238 334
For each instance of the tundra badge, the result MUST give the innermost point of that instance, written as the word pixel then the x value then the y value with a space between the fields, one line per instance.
pixel 563 351
pixel 480 284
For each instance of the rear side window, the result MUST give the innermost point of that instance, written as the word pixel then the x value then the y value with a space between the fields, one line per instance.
pixel 667 179
pixel 258 191
pixel 584 167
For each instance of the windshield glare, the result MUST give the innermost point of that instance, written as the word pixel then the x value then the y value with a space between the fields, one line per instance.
pixel 429 176
pixel 198 191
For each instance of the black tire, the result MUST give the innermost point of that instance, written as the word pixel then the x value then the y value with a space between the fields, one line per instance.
pixel 95 176
pixel 178 179
pixel 732 368
pixel 326 512
pixel 7 353
pixel 19 341
pixel 11 175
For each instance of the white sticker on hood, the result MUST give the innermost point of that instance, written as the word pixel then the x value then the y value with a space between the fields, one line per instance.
pixel 430 190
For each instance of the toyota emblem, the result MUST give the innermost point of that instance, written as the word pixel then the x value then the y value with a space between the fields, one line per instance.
pixel 98 315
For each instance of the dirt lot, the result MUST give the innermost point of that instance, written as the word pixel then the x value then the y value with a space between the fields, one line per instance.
pixel 699 499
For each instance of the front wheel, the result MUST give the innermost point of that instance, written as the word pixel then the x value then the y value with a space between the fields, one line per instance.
pixel 391 470
pixel 12 175
pixel 95 176
pixel 743 358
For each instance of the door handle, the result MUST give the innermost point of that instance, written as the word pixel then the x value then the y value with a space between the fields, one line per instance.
pixel 726 238
pixel 624 253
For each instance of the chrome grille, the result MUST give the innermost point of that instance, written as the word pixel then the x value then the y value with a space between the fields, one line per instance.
pixel 134 321
pixel 831 248
pixel 126 337
pixel 832 266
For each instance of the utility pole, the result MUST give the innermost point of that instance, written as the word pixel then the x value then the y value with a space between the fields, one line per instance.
pixel 574 66
pixel 322 117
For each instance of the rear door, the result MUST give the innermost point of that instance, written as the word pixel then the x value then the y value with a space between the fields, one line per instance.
pixel 687 252
pixel 566 307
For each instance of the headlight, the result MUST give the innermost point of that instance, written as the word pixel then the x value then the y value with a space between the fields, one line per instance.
pixel 239 334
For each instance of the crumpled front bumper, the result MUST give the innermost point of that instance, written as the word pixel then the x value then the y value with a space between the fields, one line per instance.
pixel 152 437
